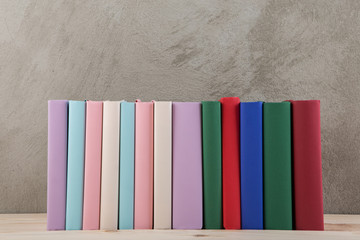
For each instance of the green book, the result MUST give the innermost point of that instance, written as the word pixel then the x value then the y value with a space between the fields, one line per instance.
pixel 277 166
pixel 211 140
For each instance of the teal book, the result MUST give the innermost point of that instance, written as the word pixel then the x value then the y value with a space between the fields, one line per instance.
pixel 75 165
pixel 127 152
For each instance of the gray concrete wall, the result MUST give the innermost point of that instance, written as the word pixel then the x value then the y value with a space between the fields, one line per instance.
pixel 176 50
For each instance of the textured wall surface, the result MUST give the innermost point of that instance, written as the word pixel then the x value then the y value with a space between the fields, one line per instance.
pixel 176 50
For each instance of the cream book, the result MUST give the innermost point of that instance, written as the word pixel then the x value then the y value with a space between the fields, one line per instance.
pixel 162 164
pixel 110 166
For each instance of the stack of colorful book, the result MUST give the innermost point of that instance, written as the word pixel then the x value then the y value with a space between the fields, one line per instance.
pixel 184 165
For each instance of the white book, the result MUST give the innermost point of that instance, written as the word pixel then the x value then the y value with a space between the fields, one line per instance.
pixel 110 166
pixel 162 164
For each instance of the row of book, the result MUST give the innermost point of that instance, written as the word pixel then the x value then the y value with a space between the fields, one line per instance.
pixel 184 165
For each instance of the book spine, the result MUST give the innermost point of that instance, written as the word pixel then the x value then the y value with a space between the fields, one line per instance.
pixel 57 157
pixel 211 140
pixel 187 166
pixel 230 110
pixel 143 215
pixel 277 167
pixel 162 164
pixel 307 165
pixel 75 165
pixel 127 154
pixel 92 173
pixel 251 140
pixel 110 166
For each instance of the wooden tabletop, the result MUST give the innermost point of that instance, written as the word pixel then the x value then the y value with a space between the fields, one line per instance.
pixel 33 226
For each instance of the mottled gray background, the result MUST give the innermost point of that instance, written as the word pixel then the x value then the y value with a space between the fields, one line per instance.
pixel 176 50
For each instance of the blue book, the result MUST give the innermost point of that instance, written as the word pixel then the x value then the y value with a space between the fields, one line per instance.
pixel 75 165
pixel 251 165
pixel 127 153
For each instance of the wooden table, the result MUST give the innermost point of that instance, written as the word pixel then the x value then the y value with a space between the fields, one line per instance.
pixel 33 226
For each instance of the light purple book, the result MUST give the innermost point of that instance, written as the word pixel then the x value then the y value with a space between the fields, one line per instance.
pixel 187 166
pixel 57 155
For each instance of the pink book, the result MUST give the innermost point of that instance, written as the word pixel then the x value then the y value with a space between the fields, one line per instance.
pixel 92 175
pixel 143 213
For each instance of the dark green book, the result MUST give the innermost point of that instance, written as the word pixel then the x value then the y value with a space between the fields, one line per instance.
pixel 277 166
pixel 211 140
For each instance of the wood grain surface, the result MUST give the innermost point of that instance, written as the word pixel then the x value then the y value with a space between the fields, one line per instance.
pixel 33 226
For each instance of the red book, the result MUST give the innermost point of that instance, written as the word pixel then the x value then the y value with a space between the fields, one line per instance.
pixel 308 195
pixel 230 109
